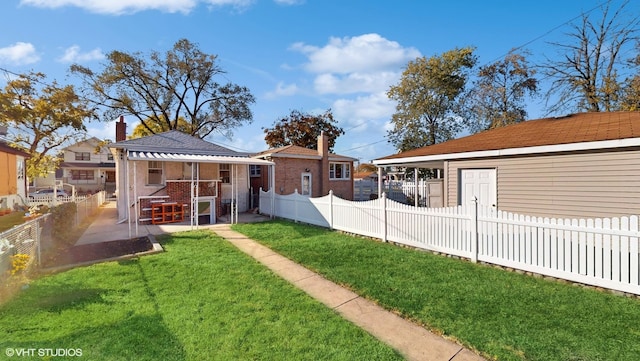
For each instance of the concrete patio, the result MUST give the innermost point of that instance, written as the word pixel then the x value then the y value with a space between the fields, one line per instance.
pixel 106 228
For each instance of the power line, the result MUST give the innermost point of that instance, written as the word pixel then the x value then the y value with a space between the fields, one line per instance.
pixel 550 31
pixel 363 146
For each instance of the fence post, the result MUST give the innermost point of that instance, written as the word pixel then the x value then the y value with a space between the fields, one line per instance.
pixel 331 209
pixel 384 216
pixel 295 205
pixel 38 241
pixel 474 231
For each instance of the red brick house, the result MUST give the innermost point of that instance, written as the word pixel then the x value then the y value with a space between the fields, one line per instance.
pixel 309 171
pixel 172 176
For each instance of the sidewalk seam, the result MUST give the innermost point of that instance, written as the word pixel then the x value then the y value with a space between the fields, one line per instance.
pixel 345 302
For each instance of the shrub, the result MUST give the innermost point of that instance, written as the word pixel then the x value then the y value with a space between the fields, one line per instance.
pixel 19 263
pixel 63 223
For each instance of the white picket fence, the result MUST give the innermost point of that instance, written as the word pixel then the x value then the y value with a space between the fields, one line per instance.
pixel 598 252
pixel 50 201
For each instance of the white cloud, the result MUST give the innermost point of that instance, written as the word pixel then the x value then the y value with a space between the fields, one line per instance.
pixel 105 130
pixel 282 90
pixel 364 112
pixel 117 7
pixel 73 55
pixel 367 63
pixel 355 82
pixel 19 54
pixel 364 53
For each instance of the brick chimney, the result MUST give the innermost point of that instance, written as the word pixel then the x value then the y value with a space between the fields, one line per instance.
pixel 121 129
pixel 323 151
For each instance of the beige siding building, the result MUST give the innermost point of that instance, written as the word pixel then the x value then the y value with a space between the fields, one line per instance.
pixel 583 165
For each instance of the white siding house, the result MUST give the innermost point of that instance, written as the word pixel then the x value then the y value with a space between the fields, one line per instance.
pixel 581 165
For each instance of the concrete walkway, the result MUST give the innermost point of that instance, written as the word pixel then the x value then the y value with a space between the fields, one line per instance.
pixel 411 340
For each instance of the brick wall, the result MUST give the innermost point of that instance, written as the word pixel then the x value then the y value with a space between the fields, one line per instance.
pixel 181 192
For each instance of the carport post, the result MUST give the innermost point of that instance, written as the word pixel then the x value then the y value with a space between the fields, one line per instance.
pixel 415 182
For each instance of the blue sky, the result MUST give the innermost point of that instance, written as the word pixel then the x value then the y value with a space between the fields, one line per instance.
pixel 309 55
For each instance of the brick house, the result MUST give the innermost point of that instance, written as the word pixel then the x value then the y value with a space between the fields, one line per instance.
pixel 174 177
pixel 309 171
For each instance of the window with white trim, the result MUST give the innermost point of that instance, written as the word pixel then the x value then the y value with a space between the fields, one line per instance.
pixel 83 156
pixel 339 171
pixel 154 172
pixel 254 170
pixel 82 174
pixel 225 173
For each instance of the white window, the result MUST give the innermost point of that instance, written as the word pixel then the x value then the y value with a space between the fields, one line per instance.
pixel 254 170
pixel 78 174
pixel 225 173
pixel 83 156
pixel 154 175
pixel 339 171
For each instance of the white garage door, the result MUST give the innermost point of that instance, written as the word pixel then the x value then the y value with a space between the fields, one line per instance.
pixel 480 183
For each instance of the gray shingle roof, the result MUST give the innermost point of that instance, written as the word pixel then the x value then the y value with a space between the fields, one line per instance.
pixel 176 142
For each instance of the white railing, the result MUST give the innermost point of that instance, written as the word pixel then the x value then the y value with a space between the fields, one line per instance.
pixel 402 191
pixel 600 252
pixel 50 201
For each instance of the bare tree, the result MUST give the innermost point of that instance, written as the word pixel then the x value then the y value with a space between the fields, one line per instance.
pixel 588 75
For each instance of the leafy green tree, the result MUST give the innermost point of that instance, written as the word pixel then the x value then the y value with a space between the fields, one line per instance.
pixel 303 129
pixel 41 117
pixel 160 89
pixel 427 99
pixel 587 77
pixel 497 96
pixel 631 90
pixel 142 131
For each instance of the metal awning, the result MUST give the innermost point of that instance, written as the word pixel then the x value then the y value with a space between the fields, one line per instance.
pixel 196 158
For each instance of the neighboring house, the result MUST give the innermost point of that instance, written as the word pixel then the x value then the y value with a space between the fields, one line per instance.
pixel 580 165
pixel 89 166
pixel 13 180
pixel 311 172
pixel 173 167
pixel 366 176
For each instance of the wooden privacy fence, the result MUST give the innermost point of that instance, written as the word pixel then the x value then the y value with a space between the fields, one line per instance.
pixel 599 252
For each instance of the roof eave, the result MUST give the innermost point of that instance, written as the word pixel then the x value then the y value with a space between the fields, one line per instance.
pixel 571 147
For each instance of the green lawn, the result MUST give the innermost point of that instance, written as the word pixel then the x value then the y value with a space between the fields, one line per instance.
pixel 202 299
pixel 9 220
pixel 504 315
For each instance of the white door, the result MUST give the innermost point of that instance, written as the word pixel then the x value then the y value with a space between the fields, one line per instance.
pixel 480 183
pixel 306 184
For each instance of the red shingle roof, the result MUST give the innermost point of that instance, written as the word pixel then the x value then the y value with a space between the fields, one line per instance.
pixel 299 152
pixel 575 128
